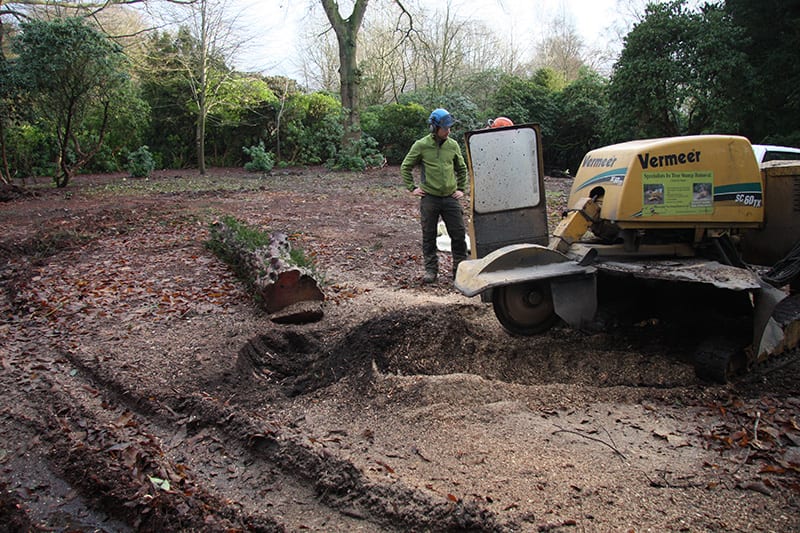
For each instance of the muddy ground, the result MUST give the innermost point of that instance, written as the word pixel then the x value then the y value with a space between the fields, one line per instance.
pixel 144 390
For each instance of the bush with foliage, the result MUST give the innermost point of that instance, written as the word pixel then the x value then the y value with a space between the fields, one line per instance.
pixel 528 100
pixel 75 74
pixel 581 116
pixel 105 160
pixel 532 100
pixel 313 131
pixel 246 111
pixel 459 105
pixel 30 151
pixel 170 134
pixel 261 160
pixel 395 127
pixel 705 83
pixel 124 131
pixel 140 162
pixel 358 156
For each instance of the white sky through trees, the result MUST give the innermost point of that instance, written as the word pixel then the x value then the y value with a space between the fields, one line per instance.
pixel 276 27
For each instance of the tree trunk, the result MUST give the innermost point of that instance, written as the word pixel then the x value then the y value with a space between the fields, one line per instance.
pixel 350 76
pixel 5 173
pixel 200 140
pixel 351 79
pixel 202 104
pixel 278 120
pixel 278 282
pixel 62 171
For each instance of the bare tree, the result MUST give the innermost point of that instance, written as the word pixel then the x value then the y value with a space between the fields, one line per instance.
pixel 436 50
pixel 22 9
pixel 379 55
pixel 213 29
pixel 381 60
pixel 562 48
pixel 402 49
pixel 447 49
pixel 321 59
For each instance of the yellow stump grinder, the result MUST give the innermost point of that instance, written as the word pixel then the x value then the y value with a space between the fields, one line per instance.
pixel 684 229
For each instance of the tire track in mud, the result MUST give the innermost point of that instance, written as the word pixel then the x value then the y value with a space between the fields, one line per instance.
pixel 231 467
pixel 337 483
pixel 109 456
pixel 111 444
pixel 137 442
pixel 110 441
pixel 139 457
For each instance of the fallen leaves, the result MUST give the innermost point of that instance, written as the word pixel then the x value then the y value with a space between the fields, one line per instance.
pixel 675 441
pixel 767 428
pixel 162 484
pixel 179 278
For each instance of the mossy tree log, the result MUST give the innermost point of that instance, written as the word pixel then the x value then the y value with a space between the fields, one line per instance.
pixel 277 282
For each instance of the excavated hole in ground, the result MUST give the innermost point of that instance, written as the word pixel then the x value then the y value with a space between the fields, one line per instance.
pixel 452 339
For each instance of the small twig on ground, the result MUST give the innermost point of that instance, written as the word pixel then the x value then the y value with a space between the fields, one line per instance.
pixel 610 438
pixel 755 428
pixel 55 309
pixel 601 441
pixel 666 484
pixel 416 451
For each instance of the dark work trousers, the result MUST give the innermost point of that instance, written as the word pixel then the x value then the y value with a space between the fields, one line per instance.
pixel 430 209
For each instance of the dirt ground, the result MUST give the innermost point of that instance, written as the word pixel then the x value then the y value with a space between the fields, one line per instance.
pixel 143 390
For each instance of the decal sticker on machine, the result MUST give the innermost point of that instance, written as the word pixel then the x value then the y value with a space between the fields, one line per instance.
pixel 612 177
pixel 678 193
pixel 747 194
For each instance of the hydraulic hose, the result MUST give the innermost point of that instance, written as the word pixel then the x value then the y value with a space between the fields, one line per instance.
pixel 786 270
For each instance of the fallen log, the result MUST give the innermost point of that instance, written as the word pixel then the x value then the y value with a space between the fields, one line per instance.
pixel 10 192
pixel 276 281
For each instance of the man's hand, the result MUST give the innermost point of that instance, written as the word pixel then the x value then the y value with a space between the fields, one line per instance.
pixel 418 192
pixel 458 195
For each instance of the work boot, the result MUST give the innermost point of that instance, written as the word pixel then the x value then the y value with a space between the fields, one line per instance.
pixel 455 269
pixel 429 277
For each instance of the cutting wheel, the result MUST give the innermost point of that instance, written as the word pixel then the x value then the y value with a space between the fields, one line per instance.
pixel 718 359
pixel 524 308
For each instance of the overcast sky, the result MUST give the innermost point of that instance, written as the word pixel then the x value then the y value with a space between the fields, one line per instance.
pixel 277 26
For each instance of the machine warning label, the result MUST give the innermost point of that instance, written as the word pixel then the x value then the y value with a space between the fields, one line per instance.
pixel 677 193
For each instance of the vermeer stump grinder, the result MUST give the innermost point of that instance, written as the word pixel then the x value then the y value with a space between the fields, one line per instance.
pixel 687 231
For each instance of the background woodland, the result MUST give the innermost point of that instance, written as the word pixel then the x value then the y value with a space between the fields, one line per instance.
pixel 134 85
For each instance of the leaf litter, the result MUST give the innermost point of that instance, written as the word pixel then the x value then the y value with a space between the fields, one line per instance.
pixel 144 391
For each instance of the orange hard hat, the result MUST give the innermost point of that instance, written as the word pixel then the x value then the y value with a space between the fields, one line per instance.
pixel 501 122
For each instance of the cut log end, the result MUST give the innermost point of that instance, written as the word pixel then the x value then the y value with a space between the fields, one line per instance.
pixel 290 287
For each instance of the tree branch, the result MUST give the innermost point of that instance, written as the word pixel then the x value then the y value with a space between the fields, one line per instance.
pixel 585 436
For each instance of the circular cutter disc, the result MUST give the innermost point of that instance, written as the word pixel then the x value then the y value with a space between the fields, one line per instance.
pixel 524 308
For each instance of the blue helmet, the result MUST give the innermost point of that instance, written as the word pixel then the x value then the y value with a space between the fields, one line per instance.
pixel 441 118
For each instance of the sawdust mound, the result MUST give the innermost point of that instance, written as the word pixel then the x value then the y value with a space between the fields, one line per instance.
pixel 454 339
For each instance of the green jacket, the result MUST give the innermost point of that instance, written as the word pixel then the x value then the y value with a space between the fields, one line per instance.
pixel 442 167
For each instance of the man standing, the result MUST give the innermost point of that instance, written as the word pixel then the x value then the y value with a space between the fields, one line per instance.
pixel 443 178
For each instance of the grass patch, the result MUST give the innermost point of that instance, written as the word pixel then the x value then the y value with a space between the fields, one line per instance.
pixel 251 238
pixel 232 239
pixel 177 185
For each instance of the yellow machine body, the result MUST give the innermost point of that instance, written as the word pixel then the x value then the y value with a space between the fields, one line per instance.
pixel 703 181
pixel 654 228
